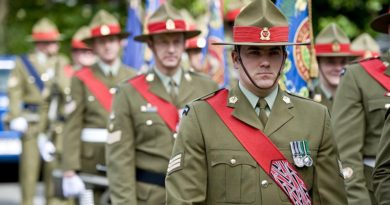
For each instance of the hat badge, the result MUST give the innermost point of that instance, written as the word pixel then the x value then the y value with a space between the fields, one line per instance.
pixel 265 34
pixel 169 24
pixel 336 47
pixel 104 30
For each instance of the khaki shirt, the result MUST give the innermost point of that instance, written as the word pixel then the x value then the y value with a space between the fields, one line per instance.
pixel 214 168
pixel 357 118
pixel 84 111
pixel 140 139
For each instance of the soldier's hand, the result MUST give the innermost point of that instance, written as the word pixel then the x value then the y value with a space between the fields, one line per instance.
pixel 72 186
pixel 19 124
pixel 46 148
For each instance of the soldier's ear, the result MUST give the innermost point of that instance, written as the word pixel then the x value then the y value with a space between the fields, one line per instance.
pixel 235 60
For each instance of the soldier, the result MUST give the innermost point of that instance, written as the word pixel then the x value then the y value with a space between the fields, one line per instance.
pixel 27 87
pixel 381 181
pixel 365 46
pixel 333 53
pixel 194 48
pixel 87 112
pixel 146 113
pixel 238 146
pixel 360 105
pixel 53 114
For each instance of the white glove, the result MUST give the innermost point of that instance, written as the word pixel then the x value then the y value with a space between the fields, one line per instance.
pixel 19 124
pixel 72 186
pixel 46 148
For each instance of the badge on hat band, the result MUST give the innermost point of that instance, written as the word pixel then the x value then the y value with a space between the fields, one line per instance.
pixel 301 153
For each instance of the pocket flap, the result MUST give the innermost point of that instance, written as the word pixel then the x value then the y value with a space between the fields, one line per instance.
pixel 232 159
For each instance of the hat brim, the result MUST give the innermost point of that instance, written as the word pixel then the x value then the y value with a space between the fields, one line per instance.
pixel 187 34
pixel 31 39
pixel 381 23
pixel 260 44
pixel 121 35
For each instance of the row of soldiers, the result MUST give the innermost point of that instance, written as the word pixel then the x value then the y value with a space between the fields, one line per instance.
pixel 251 144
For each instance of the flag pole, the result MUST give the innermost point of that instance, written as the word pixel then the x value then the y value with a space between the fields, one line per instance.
pixel 313 59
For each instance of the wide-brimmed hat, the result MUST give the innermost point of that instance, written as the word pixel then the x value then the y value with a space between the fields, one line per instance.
pixel 166 19
pixel 104 24
pixel 260 23
pixel 44 31
pixel 381 23
pixel 77 39
pixel 333 42
pixel 365 46
pixel 197 42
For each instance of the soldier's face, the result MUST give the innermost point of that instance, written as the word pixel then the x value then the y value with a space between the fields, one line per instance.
pixel 331 68
pixel 167 49
pixel 83 57
pixel 263 64
pixel 195 56
pixel 49 48
pixel 107 48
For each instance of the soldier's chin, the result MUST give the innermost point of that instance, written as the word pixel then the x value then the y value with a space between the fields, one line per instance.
pixel 171 64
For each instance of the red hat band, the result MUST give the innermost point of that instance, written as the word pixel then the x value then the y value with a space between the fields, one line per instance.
pixel 169 25
pixel 76 44
pixel 105 30
pixel 46 36
pixel 260 35
pixel 332 48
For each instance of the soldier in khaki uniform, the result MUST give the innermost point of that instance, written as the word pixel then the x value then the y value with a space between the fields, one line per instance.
pixel 53 113
pixel 360 105
pixel 381 180
pixel 246 145
pixel 365 46
pixel 146 111
pixel 28 86
pixel 91 97
pixel 333 53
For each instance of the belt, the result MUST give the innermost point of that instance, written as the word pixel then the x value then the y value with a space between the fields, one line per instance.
pixel 31 107
pixel 369 161
pixel 98 135
pixel 150 177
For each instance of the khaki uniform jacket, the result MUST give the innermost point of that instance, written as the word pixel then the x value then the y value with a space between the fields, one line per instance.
pixel 141 139
pixel 357 117
pixel 319 96
pixel 216 169
pixel 381 175
pixel 87 112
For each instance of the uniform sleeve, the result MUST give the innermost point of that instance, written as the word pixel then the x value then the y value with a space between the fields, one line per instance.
pixel 349 127
pixel 16 83
pixel 186 181
pixel 328 191
pixel 381 174
pixel 120 152
pixel 73 127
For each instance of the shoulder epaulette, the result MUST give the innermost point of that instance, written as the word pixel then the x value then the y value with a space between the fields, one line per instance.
pixel 298 96
pixel 205 97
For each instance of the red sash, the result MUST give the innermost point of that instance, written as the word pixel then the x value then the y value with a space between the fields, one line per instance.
pixel 96 87
pixel 376 69
pixel 165 109
pixel 261 148
pixel 68 71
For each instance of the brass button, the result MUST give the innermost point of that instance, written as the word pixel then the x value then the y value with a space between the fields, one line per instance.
pixel 91 98
pixel 175 135
pixel 233 161
pixel 112 91
pixel 58 129
pixel 264 183
pixel 386 63
pixel 387 106
pixel 67 91
pixel 149 122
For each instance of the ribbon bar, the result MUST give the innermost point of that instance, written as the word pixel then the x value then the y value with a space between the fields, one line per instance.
pixel 260 35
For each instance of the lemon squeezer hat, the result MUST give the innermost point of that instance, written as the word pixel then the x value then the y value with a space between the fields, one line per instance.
pixel 260 23
pixel 77 39
pixel 333 42
pixel 381 23
pixel 45 31
pixel 104 24
pixel 166 19
pixel 365 46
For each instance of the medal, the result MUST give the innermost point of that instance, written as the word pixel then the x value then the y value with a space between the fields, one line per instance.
pixel 307 160
pixel 296 154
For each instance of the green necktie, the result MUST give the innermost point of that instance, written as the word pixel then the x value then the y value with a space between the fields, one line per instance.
pixel 262 104
pixel 173 91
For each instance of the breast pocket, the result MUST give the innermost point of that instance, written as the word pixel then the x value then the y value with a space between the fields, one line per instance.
pixel 149 129
pixel 233 177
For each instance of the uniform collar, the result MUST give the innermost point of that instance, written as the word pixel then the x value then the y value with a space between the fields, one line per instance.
pixel 253 99
pixel 165 79
pixel 326 92
pixel 107 69
pixel 41 57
